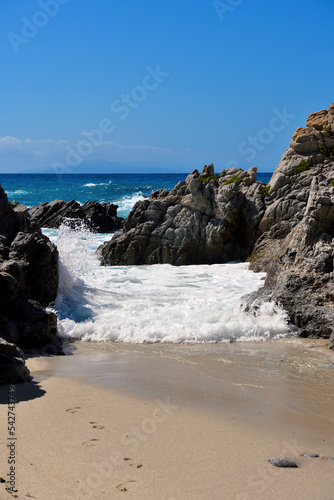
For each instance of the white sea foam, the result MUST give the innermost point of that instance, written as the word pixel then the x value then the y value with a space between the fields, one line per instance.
pixel 92 184
pixel 16 192
pixel 126 203
pixel 158 303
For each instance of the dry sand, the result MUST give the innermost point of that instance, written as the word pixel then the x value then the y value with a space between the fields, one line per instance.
pixel 174 423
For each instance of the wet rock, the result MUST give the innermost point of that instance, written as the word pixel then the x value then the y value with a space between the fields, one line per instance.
pixel 28 283
pixel 99 217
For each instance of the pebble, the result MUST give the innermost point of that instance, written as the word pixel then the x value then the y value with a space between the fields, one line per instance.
pixel 281 462
pixel 311 455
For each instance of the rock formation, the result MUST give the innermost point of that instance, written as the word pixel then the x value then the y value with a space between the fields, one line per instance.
pixel 98 217
pixel 206 219
pixel 285 228
pixel 296 245
pixel 28 283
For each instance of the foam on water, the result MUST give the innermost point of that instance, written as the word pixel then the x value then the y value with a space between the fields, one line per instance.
pixel 16 192
pixel 159 303
pixel 126 203
pixel 92 184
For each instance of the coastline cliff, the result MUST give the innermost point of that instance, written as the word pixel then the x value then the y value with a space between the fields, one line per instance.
pixel 296 245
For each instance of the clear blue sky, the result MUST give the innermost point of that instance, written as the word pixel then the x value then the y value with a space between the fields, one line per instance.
pixel 180 83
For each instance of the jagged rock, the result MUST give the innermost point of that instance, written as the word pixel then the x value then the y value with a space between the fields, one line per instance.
pixel 296 244
pixel 206 219
pixel 12 363
pixel 28 283
pixel 99 217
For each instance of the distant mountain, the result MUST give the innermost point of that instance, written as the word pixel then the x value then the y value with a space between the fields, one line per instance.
pixel 105 167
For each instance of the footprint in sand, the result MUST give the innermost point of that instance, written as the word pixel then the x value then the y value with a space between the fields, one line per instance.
pixel 91 442
pixel 125 486
pixel 96 425
pixel 138 466
pixel 74 410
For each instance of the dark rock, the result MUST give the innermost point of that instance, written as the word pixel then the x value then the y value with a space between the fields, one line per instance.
pixel 282 462
pixel 99 217
pixel 28 283
pixel 12 364
pixel 205 220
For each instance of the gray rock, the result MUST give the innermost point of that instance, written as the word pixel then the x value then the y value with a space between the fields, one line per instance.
pixel 296 234
pixel 311 455
pixel 205 220
pixel 282 462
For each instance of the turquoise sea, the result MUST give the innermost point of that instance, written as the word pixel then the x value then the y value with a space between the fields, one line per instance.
pixel 121 189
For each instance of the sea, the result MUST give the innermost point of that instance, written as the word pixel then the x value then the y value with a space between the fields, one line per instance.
pixel 142 304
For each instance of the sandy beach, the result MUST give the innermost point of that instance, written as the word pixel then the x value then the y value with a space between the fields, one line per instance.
pixel 174 422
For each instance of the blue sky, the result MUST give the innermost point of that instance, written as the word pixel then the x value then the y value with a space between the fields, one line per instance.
pixel 179 83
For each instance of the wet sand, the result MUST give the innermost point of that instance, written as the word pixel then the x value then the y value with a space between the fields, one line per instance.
pixel 168 421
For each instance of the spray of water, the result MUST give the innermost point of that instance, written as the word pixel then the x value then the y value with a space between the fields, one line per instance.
pixel 158 303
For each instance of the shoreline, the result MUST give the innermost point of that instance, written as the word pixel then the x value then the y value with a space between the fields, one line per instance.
pixel 164 421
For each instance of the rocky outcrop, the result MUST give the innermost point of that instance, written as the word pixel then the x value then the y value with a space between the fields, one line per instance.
pixel 206 219
pixel 285 228
pixel 296 244
pixel 28 283
pixel 98 217
pixel 12 364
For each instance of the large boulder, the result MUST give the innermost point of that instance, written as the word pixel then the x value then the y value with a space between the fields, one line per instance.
pixel 98 217
pixel 206 219
pixel 296 245
pixel 28 283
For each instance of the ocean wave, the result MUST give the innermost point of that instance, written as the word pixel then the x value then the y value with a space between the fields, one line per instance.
pixel 16 192
pixel 126 203
pixel 158 303
pixel 91 184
